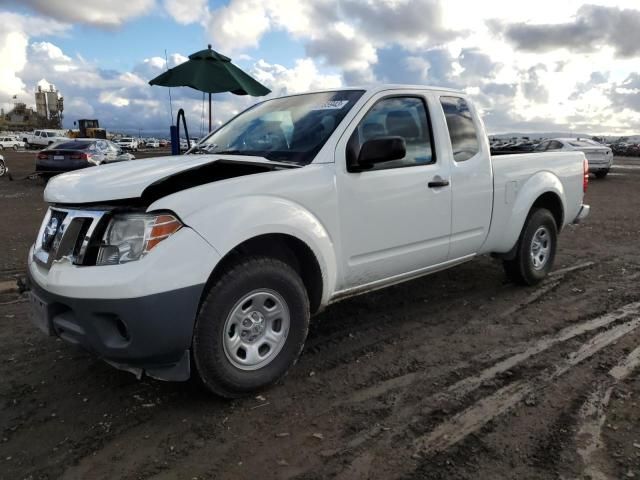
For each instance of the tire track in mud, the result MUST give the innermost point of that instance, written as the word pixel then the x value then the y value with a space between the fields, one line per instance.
pixel 454 428
pixel 475 417
pixel 593 415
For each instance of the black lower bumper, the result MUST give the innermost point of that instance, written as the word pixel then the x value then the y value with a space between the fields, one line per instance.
pixel 150 334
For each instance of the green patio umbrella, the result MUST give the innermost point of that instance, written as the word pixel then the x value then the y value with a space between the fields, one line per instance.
pixel 211 72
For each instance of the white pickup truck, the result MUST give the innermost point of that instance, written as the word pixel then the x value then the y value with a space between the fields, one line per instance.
pixel 43 138
pixel 214 261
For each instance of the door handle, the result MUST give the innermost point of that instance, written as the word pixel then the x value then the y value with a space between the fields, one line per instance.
pixel 438 182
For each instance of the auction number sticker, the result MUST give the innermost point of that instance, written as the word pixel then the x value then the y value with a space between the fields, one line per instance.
pixel 331 105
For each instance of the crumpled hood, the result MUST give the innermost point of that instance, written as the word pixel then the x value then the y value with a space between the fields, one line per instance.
pixel 125 180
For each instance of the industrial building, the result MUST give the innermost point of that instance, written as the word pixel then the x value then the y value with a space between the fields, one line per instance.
pixel 47 114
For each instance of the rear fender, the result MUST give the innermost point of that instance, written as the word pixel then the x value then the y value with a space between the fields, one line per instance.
pixel 526 195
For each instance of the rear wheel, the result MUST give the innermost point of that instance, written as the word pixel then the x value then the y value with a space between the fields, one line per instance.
pixel 601 173
pixel 536 249
pixel 251 327
pixel 3 168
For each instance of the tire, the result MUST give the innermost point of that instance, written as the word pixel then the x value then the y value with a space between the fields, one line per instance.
pixel 248 289
pixel 601 173
pixel 3 168
pixel 1 147
pixel 534 261
pixel 15 147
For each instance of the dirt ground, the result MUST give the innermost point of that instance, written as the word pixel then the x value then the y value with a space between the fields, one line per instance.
pixel 459 375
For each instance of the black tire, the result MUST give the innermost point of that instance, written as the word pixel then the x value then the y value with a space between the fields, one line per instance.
pixel 601 173
pixel 214 369
pixel 521 269
pixel 15 147
pixel 1 147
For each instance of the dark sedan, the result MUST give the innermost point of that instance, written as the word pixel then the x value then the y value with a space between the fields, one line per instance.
pixel 78 153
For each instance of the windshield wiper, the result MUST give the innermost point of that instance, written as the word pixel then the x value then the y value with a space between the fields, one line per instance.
pixel 233 152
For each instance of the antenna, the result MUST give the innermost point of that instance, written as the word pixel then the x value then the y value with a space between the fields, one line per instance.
pixel 166 62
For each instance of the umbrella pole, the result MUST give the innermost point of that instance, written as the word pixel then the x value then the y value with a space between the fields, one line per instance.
pixel 209 113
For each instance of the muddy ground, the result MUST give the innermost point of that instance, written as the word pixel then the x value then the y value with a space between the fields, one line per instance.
pixel 456 375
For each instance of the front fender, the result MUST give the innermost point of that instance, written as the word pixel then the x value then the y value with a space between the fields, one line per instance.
pixel 511 213
pixel 235 220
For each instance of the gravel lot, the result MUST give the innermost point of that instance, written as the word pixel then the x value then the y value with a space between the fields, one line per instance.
pixel 456 375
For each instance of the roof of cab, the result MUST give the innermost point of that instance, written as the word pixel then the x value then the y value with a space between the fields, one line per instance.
pixel 373 89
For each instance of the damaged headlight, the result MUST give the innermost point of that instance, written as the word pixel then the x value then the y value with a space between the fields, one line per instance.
pixel 129 236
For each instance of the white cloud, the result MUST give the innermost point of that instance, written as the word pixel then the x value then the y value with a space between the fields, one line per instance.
pixel 239 25
pixel 113 98
pixel 302 77
pixel 94 12
pixel 187 11
pixel 14 41
pixel 453 43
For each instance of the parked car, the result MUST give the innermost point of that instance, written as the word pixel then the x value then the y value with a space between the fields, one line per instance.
pixel 213 264
pixel 128 143
pixel 43 138
pixel 152 143
pixel 163 143
pixel 10 142
pixel 78 153
pixel 184 145
pixel 600 157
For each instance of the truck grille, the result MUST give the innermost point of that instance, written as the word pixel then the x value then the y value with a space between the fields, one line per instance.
pixel 67 234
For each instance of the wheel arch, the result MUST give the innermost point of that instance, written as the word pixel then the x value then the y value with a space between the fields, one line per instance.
pixel 282 246
pixel 552 202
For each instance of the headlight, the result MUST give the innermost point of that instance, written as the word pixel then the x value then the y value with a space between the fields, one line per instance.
pixel 129 236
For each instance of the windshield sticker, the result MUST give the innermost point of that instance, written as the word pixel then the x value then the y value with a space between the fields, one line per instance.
pixel 331 105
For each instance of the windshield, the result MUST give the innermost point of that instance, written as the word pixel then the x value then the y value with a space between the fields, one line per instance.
pixel 289 129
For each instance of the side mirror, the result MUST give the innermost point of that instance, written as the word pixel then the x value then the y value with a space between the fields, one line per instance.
pixel 380 150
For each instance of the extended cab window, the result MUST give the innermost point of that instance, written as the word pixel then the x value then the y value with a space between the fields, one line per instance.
pixel 554 145
pixel 462 131
pixel 404 117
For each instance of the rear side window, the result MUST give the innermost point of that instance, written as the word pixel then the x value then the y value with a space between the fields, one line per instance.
pixel 462 131
pixel 74 145
pixel 554 145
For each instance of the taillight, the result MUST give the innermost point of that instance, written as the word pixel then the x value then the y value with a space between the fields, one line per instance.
pixel 42 156
pixel 585 170
pixel 79 156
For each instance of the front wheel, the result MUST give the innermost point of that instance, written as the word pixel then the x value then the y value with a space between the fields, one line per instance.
pixel 15 146
pixel 251 327
pixel 536 249
pixel 3 168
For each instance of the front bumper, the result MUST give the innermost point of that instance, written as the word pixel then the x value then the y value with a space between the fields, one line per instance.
pixel 582 214
pixel 150 334
pixel 138 316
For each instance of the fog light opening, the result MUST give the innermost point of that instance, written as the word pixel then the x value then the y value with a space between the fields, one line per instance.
pixel 123 330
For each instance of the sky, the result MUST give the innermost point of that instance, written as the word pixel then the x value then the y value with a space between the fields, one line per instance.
pixel 534 66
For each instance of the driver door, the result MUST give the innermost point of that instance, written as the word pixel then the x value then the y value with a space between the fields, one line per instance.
pixel 395 218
